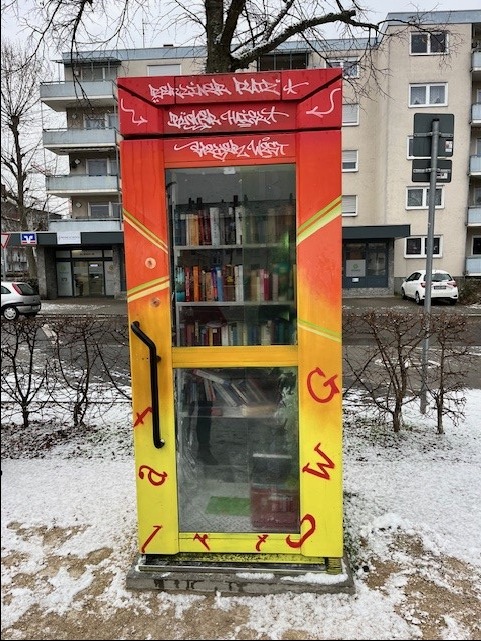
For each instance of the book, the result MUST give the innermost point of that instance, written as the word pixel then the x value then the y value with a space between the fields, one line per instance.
pixel 188 283
pixel 219 283
pixel 214 225
pixel 209 374
pixel 239 282
pixel 229 283
pixel 195 282
pixel 239 222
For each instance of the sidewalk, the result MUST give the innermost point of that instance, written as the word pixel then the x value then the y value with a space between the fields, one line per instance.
pixel 118 307
pixel 82 306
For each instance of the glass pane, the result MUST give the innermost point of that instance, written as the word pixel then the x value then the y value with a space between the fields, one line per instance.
pixel 415 197
pixel 376 259
pixel 419 43
pixel 233 258
pixel 95 122
pixel 237 449
pixel 97 167
pixel 418 95
pixel 438 42
pixel 413 246
pixel 436 94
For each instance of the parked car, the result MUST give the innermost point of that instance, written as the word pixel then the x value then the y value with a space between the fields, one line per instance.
pixel 19 298
pixel 444 287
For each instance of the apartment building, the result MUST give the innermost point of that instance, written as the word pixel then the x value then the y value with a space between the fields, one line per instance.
pixel 385 213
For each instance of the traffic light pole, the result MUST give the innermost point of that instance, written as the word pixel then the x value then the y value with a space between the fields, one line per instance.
pixel 429 262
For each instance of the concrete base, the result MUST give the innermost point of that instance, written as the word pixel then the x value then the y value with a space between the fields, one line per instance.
pixel 174 574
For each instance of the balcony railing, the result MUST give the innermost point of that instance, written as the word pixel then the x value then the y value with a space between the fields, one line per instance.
pixel 475 165
pixel 474 216
pixel 59 95
pixel 68 185
pixel 473 266
pixel 85 224
pixel 67 140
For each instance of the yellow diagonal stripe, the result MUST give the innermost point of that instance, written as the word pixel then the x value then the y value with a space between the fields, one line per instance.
pixel 319 219
pixel 145 232
pixel 320 331
pixel 147 289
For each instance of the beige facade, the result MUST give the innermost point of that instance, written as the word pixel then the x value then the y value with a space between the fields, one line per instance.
pixel 385 213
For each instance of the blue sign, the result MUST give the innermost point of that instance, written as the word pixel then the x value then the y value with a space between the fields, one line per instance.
pixel 28 238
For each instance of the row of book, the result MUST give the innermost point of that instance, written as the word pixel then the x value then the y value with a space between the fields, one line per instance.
pixel 277 331
pixel 242 394
pixel 232 225
pixel 231 283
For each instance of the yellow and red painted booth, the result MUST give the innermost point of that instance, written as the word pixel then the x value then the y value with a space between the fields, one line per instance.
pixel 231 189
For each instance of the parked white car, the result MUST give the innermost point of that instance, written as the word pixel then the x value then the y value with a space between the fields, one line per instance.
pixel 444 287
pixel 19 298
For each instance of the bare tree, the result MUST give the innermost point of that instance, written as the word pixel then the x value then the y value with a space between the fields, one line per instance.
pixel 21 129
pixel 236 32
pixel 447 376
pixel 25 367
pixel 384 368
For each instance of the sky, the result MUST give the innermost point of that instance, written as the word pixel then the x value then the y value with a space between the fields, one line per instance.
pixel 145 32
pixel 412 512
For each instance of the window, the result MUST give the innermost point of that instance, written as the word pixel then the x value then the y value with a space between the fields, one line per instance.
pixel 96 72
pixel 164 70
pixel 104 210
pixel 477 246
pixel 350 114
pixel 101 121
pixel 102 167
pixel 477 196
pixel 425 95
pixel 95 122
pixel 409 152
pixel 279 61
pixel 97 167
pixel 415 246
pixel 113 167
pixel 428 43
pixel 418 197
pixel 349 205
pixel 349 66
pixel 349 160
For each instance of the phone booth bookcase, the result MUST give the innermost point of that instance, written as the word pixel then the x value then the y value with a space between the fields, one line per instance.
pixel 231 187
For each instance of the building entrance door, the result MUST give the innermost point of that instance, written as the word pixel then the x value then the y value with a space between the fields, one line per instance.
pixel 88 278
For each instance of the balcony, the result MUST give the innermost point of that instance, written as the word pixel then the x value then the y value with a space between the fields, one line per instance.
pixel 85 224
pixel 476 114
pixel 62 95
pixel 66 186
pixel 475 166
pixel 64 141
pixel 474 217
pixel 473 266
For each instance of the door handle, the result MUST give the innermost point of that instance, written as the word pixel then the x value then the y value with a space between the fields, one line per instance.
pixel 154 388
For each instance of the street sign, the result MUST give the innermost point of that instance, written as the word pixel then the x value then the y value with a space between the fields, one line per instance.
pixel 423 124
pixel 5 239
pixel 421 172
pixel 28 238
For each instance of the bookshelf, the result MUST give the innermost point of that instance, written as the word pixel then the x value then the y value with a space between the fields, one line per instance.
pixel 234 272
pixel 233 278
pixel 233 255
pixel 236 426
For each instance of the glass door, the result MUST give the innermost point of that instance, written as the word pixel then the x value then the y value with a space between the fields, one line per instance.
pixel 233 266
